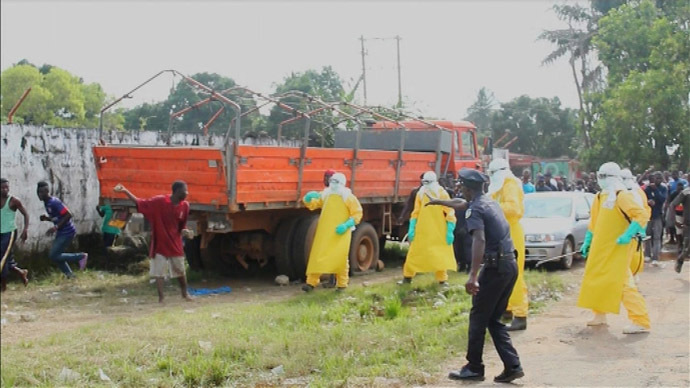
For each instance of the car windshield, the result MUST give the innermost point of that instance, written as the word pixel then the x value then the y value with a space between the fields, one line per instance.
pixel 547 207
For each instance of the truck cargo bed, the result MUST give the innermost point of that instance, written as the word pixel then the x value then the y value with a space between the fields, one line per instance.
pixel 264 177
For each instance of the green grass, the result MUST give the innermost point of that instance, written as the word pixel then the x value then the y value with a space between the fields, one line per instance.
pixel 324 337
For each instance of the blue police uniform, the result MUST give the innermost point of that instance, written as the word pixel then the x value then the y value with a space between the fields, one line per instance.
pixel 496 280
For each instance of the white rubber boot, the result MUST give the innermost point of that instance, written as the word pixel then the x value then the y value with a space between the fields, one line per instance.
pixel 634 329
pixel 599 319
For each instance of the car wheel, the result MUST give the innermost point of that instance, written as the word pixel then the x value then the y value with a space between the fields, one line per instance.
pixel 568 249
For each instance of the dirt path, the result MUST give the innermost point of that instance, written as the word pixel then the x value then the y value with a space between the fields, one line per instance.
pixel 558 349
pixel 37 312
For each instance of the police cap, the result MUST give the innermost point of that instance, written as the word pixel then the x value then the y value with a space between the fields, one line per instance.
pixel 472 177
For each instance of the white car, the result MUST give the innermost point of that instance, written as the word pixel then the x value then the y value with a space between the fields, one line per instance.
pixel 555 223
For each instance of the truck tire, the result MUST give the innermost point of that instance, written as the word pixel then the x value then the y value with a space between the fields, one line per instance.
pixel 364 248
pixel 301 244
pixel 192 252
pixel 209 256
pixel 283 247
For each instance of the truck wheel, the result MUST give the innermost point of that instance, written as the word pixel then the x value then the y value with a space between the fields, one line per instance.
pixel 210 255
pixel 301 244
pixel 193 253
pixel 283 247
pixel 364 248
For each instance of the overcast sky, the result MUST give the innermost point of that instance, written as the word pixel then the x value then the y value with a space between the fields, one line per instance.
pixel 449 50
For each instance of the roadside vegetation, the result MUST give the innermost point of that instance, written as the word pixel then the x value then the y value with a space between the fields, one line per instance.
pixel 378 334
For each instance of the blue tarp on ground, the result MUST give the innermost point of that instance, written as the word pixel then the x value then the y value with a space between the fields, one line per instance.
pixel 209 291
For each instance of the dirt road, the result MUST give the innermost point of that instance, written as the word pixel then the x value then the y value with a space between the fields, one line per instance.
pixel 54 309
pixel 558 349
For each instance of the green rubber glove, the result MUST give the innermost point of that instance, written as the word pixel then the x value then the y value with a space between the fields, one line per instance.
pixel 345 226
pixel 633 229
pixel 311 196
pixel 585 245
pixel 411 229
pixel 450 237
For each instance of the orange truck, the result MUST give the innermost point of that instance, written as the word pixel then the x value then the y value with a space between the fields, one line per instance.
pixel 246 200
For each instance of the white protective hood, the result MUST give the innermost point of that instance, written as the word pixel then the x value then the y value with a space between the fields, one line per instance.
pixel 336 185
pixel 432 187
pixel 499 171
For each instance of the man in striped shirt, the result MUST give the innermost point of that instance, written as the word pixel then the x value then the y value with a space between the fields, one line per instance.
pixel 63 229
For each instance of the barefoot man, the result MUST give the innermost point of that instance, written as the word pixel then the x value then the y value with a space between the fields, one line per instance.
pixel 167 215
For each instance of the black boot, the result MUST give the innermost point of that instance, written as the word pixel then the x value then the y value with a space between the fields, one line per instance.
pixel 404 281
pixel 307 288
pixel 509 375
pixel 679 264
pixel 518 323
pixel 466 374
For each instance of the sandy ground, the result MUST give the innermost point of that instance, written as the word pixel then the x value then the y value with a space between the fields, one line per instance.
pixel 558 349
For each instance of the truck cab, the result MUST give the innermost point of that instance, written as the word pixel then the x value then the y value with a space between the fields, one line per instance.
pixel 464 151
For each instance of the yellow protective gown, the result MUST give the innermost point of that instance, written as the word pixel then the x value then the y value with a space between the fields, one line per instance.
pixel 637 252
pixel 329 252
pixel 429 251
pixel 608 280
pixel 510 198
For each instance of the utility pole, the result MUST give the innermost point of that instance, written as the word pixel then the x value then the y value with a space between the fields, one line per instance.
pixel 397 39
pixel 364 70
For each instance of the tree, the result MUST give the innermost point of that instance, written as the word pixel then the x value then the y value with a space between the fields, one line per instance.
pixel 14 81
pixel 157 116
pixel 57 97
pixel 576 42
pixel 542 126
pixel 644 108
pixel 326 85
pixel 67 102
pixel 480 111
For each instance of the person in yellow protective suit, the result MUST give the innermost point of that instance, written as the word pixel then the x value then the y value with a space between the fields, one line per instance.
pixel 430 234
pixel 506 189
pixel 636 246
pixel 608 280
pixel 340 212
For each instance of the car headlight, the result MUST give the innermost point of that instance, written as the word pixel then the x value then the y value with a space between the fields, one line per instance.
pixel 544 237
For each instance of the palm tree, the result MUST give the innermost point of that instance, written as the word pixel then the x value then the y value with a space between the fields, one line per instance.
pixel 576 41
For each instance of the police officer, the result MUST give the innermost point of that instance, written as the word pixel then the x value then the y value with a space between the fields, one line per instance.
pixel 490 289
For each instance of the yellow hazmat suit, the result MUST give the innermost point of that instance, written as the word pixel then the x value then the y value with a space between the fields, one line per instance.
pixel 429 251
pixel 329 252
pixel 608 280
pixel 637 252
pixel 510 198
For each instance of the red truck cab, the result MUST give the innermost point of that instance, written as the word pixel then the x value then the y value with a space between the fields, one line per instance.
pixel 465 153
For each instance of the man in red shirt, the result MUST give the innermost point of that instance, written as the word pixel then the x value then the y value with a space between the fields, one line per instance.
pixel 167 215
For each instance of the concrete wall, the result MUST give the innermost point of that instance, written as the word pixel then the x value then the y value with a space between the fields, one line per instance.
pixel 63 158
